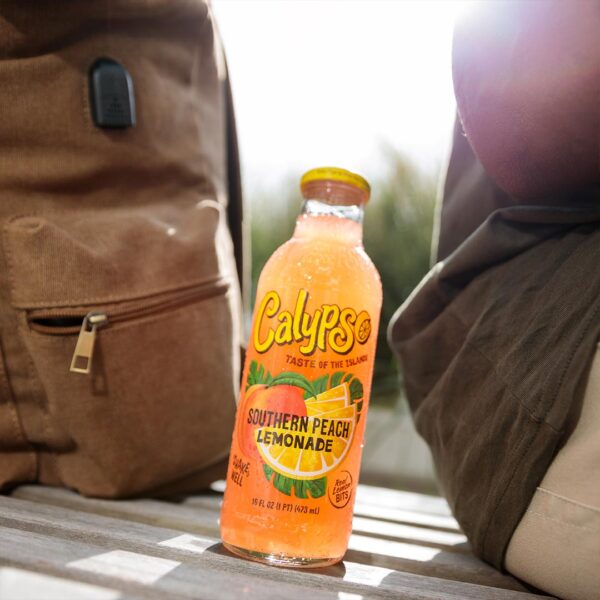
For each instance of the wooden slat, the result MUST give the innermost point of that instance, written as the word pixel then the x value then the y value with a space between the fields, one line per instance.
pixel 49 538
pixel 426 561
pixel 20 584
pixel 435 538
pixel 378 496
pixel 198 520
pixel 399 515
pixel 410 557
pixel 87 562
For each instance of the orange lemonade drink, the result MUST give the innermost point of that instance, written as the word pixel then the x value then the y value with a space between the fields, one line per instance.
pixel 298 438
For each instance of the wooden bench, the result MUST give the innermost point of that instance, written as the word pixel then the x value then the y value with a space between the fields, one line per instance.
pixel 54 544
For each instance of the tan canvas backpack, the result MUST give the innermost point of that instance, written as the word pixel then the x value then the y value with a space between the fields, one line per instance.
pixel 119 294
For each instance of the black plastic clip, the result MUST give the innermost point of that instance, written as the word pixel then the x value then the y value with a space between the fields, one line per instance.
pixel 111 94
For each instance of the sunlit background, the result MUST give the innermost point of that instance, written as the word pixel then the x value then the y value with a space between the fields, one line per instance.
pixel 364 85
pixel 332 82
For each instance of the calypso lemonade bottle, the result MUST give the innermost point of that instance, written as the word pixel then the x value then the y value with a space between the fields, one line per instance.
pixel 298 437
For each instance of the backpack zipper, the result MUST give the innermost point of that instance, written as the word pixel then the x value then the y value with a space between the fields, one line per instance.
pixel 84 349
pixel 95 319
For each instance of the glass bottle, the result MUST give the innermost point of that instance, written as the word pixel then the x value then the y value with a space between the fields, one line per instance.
pixel 298 438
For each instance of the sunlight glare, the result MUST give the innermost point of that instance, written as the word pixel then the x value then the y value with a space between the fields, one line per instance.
pixel 463 8
pixel 334 82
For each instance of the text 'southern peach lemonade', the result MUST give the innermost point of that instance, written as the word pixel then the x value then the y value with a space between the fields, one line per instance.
pixel 298 437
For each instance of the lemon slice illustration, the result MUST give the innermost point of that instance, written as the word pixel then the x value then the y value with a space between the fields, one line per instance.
pixel 310 454
pixel 335 398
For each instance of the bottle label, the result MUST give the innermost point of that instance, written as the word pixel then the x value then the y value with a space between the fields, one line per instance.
pixel 303 396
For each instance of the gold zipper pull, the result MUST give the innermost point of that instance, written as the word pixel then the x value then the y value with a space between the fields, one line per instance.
pixel 84 350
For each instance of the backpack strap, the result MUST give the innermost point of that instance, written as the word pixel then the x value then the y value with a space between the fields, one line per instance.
pixel 235 205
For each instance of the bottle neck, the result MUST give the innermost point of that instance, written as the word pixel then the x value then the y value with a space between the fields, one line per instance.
pixel 335 222
pixel 318 208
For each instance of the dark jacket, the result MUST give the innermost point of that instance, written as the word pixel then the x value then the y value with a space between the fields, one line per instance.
pixel 497 340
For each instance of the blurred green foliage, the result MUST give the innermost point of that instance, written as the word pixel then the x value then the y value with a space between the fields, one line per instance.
pixel 397 236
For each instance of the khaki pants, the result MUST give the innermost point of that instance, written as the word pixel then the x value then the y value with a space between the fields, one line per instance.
pixel 556 546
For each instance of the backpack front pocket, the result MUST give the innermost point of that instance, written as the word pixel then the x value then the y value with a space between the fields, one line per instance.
pixel 138 385
pixel 155 405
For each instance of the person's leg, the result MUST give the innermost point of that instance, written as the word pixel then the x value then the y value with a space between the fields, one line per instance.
pixel 556 546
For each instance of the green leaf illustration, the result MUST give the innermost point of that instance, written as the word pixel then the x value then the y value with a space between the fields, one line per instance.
pixel 320 384
pixel 283 484
pixel 317 487
pixel 336 379
pixel 257 374
pixel 268 471
pixel 300 489
pixel 356 389
pixel 314 488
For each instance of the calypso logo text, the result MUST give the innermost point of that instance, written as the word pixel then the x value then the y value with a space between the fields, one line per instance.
pixel 329 326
